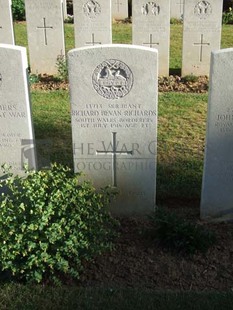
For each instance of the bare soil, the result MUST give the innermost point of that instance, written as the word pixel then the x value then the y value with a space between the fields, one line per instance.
pixel 138 260
pixel 166 84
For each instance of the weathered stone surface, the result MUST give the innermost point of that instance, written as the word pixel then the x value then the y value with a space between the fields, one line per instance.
pixel 202 34
pixel 45 34
pixel 120 9
pixel 6 24
pixel 217 186
pixel 177 9
pixel 92 22
pixel 114 121
pixel 16 130
pixel 151 28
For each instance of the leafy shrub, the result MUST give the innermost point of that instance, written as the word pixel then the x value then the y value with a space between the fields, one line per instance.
pixel 178 234
pixel 62 67
pixel 227 17
pixel 50 223
pixel 190 78
pixel 18 9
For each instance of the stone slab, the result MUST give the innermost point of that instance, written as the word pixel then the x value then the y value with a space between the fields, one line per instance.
pixel 6 23
pixel 177 9
pixel 151 28
pixel 217 185
pixel 92 22
pixel 45 34
pixel 120 9
pixel 114 91
pixel 16 130
pixel 201 35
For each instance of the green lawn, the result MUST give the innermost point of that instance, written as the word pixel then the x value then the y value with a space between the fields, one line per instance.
pixel 181 137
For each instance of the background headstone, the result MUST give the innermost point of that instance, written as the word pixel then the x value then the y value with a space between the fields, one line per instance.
pixel 114 93
pixel 120 9
pixel 217 186
pixel 6 23
pixel 201 34
pixel 151 28
pixel 16 131
pixel 177 9
pixel 92 22
pixel 64 9
pixel 45 34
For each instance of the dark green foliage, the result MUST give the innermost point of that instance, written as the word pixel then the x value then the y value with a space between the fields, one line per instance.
pixel 18 9
pixel 190 78
pixel 50 223
pixel 179 234
pixel 227 16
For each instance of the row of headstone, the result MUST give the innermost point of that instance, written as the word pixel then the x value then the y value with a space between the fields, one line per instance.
pixel 114 123
pixel 93 26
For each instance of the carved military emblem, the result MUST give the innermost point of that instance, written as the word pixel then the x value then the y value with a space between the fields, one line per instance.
pixel 150 8
pixel 112 79
pixel 92 8
pixel 203 9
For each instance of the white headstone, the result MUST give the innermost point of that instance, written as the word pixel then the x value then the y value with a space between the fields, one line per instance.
pixel 16 130
pixel 202 34
pixel 177 9
pixel 92 22
pixel 120 9
pixel 217 186
pixel 6 24
pixel 151 28
pixel 114 121
pixel 45 34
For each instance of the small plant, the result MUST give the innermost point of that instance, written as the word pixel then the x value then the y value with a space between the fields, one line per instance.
pixel 18 9
pixel 69 19
pixel 34 78
pixel 190 78
pixel 50 223
pixel 62 67
pixel 180 235
pixel 227 17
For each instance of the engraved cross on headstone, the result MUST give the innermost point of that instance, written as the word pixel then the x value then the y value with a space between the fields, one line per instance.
pixel 118 3
pixel 151 43
pixel 181 4
pixel 92 40
pixel 45 27
pixel 201 44
pixel 114 153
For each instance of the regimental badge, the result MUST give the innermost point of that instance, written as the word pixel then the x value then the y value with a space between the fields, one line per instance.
pixel 150 8
pixel 112 79
pixel 92 8
pixel 203 9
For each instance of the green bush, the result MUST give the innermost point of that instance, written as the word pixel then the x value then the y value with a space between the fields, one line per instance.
pixel 51 223
pixel 180 235
pixel 18 9
pixel 62 67
pixel 227 17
